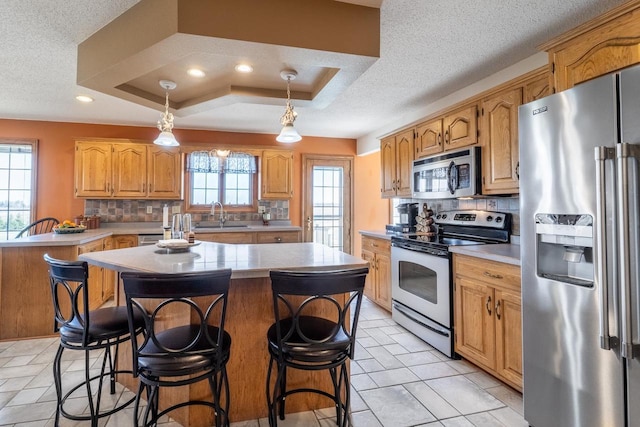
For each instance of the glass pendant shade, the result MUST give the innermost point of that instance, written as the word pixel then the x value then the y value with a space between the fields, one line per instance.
pixel 166 139
pixel 288 134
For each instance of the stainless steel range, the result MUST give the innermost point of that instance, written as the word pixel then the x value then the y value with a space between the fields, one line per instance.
pixel 421 271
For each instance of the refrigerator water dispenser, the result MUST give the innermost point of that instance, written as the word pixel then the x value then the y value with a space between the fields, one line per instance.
pixel 565 248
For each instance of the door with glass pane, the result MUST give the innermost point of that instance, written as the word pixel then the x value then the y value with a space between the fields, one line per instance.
pixel 327 210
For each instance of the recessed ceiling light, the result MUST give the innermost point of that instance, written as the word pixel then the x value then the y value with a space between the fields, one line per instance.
pixel 84 98
pixel 244 68
pixel 195 72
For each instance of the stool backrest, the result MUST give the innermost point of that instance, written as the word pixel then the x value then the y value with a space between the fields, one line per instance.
pixel 41 226
pixel 297 292
pixel 69 282
pixel 163 299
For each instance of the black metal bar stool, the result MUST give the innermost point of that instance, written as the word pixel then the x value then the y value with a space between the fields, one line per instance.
pixel 86 330
pixel 300 340
pixel 175 355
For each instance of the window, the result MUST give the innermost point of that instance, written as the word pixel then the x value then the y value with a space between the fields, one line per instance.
pixel 17 186
pixel 230 180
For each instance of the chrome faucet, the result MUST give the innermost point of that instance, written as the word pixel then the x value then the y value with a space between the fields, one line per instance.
pixel 223 218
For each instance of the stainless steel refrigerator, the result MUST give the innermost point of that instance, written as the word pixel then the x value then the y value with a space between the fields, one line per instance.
pixel 579 247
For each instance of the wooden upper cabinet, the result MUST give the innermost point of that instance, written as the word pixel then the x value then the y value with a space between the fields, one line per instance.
pixel 93 170
pixel 164 177
pixel 388 166
pixel 536 89
pixel 396 162
pixel 500 154
pixel 461 127
pixel 605 44
pixel 404 162
pixel 129 170
pixel 428 139
pixel 276 175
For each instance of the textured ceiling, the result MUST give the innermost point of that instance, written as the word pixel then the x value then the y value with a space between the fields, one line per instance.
pixel 428 49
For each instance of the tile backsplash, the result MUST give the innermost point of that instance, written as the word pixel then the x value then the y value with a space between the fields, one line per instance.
pixel 136 211
pixel 500 204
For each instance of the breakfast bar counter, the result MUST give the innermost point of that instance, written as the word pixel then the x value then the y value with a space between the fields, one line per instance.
pixel 249 315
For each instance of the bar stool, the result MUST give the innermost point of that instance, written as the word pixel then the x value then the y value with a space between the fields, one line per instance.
pixel 86 330
pixel 300 340
pixel 177 352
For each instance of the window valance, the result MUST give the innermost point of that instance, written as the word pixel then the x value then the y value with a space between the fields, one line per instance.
pixel 217 161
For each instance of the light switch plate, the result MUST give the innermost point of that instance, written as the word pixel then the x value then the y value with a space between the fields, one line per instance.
pixel 175 209
pixel 149 209
pixel 261 209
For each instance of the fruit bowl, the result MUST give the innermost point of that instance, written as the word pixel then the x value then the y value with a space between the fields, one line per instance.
pixel 68 230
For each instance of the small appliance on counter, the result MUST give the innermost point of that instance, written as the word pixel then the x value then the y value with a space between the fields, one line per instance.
pixel 407 223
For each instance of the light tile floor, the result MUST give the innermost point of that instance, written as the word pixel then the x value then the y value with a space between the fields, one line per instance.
pixel 397 380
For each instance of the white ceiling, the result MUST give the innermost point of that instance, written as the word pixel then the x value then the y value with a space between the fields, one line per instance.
pixel 428 49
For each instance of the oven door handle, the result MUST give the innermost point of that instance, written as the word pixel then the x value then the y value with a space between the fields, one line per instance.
pixel 407 313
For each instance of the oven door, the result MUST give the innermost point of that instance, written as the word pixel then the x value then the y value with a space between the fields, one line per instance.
pixel 421 282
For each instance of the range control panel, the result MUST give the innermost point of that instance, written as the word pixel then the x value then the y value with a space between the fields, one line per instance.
pixel 472 218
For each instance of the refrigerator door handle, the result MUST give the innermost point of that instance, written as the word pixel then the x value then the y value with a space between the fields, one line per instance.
pixel 623 153
pixel 602 154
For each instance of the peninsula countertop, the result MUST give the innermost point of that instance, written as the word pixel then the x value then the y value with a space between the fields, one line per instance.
pixel 246 261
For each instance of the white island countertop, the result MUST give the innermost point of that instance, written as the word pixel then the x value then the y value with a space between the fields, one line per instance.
pixel 246 261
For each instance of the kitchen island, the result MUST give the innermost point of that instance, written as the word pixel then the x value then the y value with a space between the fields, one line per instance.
pixel 249 315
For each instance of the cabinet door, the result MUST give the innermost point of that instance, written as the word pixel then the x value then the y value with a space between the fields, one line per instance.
pixel 95 274
pixel 93 171
pixel 108 275
pixel 536 89
pixel 509 336
pixel 428 138
pixel 276 176
pixel 130 170
pixel 474 324
pixel 370 283
pixel 388 167
pixel 383 273
pixel 404 162
pixel 500 156
pixel 164 178
pixel 461 127
pixel 125 241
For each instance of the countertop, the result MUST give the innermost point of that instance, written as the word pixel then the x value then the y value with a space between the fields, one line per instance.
pixel 380 234
pixel 53 239
pixel 501 252
pixel 246 261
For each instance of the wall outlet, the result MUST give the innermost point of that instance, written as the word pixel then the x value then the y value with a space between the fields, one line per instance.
pixel 149 209
pixel 175 209
pixel 262 209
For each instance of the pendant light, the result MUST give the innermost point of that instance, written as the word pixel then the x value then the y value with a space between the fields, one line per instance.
pixel 165 124
pixel 288 133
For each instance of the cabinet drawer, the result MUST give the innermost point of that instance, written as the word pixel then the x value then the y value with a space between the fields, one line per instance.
pixel 243 238
pixel 94 246
pixel 496 273
pixel 278 237
pixel 376 245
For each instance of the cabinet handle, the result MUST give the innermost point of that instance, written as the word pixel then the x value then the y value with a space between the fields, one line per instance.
pixel 439 138
pixel 278 239
pixel 488 305
pixel 518 170
pixel 375 245
pixel 377 264
pixel 446 137
pixel 150 187
pixel 493 276
pixel 498 309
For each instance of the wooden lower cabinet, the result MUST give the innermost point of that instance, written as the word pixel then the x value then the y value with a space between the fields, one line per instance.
pixel 251 237
pixel 488 321
pixel 377 252
pixel 96 274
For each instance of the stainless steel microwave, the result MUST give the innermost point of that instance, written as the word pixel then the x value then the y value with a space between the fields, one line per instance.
pixel 447 175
